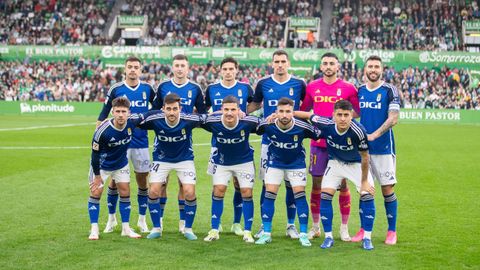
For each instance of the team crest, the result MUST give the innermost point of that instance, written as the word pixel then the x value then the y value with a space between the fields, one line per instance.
pixel 295 138
pixel 183 131
pixel 239 92
pixel 189 93
pixel 129 131
pixel 379 97
pixel 242 133
pixel 291 91
pixel 349 141
pixel 144 95
pixel 339 92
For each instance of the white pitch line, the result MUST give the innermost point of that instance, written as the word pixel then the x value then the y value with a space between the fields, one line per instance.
pixel 73 147
pixel 51 126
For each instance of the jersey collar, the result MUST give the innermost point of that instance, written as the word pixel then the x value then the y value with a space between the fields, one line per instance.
pixel 273 79
pixel 129 87
pixel 179 86
pixel 339 133
pixel 230 128
pixel 371 90
pixel 226 87
pixel 285 130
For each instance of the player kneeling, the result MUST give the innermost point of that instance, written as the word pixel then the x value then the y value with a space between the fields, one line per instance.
pixel 286 160
pixel 109 159
pixel 348 159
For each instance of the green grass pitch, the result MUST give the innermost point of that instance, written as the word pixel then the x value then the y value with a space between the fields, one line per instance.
pixel 44 220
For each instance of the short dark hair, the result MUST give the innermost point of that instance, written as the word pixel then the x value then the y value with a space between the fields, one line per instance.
pixel 121 102
pixel 171 98
pixel 343 105
pixel 229 60
pixel 373 58
pixel 180 57
pixel 280 52
pixel 230 99
pixel 285 101
pixel 133 59
pixel 329 54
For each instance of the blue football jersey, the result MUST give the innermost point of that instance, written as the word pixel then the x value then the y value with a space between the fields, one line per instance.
pixel 172 143
pixel 232 144
pixel 216 92
pixel 374 107
pixel 285 149
pixel 344 146
pixel 110 145
pixel 139 98
pixel 190 93
pixel 269 91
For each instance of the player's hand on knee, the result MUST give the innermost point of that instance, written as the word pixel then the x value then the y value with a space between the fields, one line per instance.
pixel 367 188
pixel 97 183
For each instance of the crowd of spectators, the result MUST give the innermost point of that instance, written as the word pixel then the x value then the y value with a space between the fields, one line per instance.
pixel 86 80
pixel 52 22
pixel 401 24
pixel 228 23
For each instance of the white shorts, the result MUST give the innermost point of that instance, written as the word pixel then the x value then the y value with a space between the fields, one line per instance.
pixel 244 172
pixel 296 177
pixel 383 169
pixel 185 171
pixel 140 159
pixel 336 171
pixel 263 161
pixel 120 176
pixel 211 165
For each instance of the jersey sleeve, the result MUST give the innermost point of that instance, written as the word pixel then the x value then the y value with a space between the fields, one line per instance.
pixel 393 99
pixel 153 95
pixel 148 119
pixel 307 101
pixel 312 133
pixel 361 135
pixel 205 124
pixel 250 93
pixel 107 105
pixel 208 101
pixel 258 95
pixel 136 119
pixel 158 99
pixel 199 102
pixel 353 98
pixel 303 89
pixel 96 147
pixel 261 128
pixel 320 122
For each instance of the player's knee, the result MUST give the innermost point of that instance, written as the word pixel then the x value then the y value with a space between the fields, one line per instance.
pixel 387 190
pixel 97 193
pixel 112 184
pixel 219 190
pixel 154 191
pixel 123 189
pixel 297 189
pixel 246 192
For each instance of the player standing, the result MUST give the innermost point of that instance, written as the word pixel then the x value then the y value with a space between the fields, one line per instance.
pixel 380 107
pixel 173 150
pixel 191 100
pixel 286 161
pixel 348 159
pixel 267 92
pixel 214 96
pixel 322 95
pixel 140 94
pixel 109 159
pixel 233 157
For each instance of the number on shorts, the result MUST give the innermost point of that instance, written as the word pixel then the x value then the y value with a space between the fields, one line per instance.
pixel 155 167
pixel 326 171
pixel 214 169
pixel 264 163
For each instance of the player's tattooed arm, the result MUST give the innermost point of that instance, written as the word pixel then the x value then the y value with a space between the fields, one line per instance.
pixel 391 121
pixel 365 186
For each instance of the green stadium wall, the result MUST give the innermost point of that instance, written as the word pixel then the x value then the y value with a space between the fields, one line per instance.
pixel 93 109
